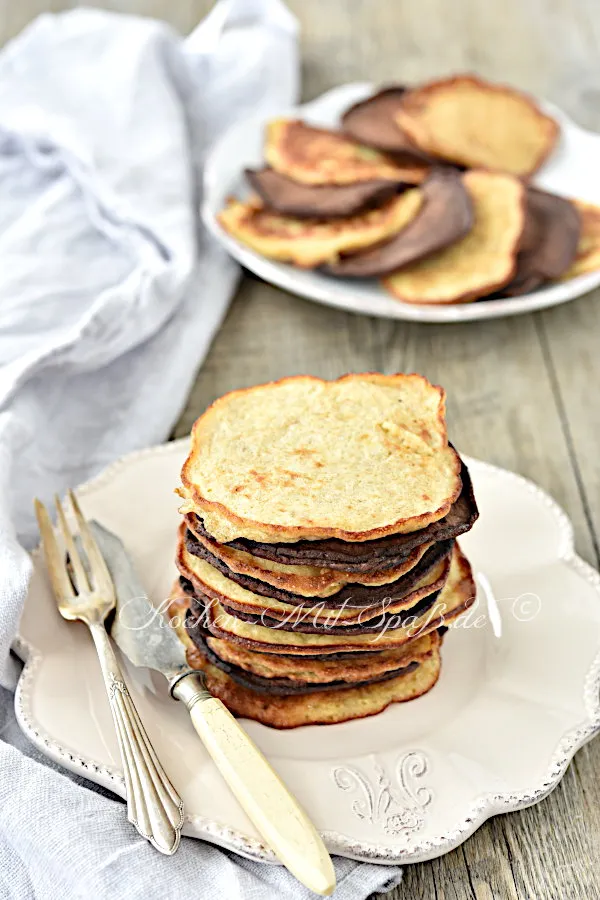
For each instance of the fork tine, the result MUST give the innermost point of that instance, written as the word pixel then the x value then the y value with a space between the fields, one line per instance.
pixel 61 583
pixel 80 575
pixel 101 576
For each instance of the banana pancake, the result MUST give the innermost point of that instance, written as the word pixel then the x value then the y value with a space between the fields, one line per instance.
pixel 366 556
pixel 286 687
pixel 468 121
pixel 319 706
pixel 311 242
pixel 200 566
pixel 373 122
pixel 357 458
pixel 184 596
pixel 483 261
pixel 352 668
pixel 319 156
pixel 210 585
pixel 327 201
pixel 309 581
pixel 560 227
pixel 303 621
pixel 445 217
pixel 325 707
pixel 552 247
pixel 457 595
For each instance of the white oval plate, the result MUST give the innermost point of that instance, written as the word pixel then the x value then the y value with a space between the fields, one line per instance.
pixel 572 171
pixel 518 694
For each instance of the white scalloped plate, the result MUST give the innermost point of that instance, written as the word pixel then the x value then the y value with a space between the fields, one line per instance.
pixel 571 171
pixel 518 694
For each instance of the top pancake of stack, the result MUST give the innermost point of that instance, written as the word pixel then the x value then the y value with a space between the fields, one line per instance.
pixel 355 459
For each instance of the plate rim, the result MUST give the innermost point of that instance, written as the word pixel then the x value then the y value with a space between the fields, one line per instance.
pixel 482 808
pixel 431 314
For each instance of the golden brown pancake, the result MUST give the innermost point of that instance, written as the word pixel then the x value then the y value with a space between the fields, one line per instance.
pixel 360 596
pixel 311 242
pixel 356 667
pixel 322 707
pixel 445 217
pixel 587 258
pixel 356 459
pixel 328 201
pixel 482 262
pixel 457 596
pixel 319 156
pixel 303 621
pixel 319 707
pixel 284 687
pixel 353 608
pixel 466 120
pixel 308 581
pixel 358 557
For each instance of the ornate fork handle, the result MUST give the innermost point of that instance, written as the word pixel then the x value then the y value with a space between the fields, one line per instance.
pixel 153 805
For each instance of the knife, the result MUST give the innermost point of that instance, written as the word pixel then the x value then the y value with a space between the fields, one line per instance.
pixel 146 639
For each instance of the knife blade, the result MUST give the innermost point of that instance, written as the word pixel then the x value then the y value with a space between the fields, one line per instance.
pixel 139 627
pixel 144 635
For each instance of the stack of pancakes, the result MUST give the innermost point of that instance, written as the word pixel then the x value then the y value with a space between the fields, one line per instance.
pixel 317 555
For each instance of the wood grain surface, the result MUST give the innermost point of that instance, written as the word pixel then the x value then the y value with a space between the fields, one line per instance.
pixel 522 391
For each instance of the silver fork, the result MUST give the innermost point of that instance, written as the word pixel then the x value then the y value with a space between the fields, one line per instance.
pixel 153 805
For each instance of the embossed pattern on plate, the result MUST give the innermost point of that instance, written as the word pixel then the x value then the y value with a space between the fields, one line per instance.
pixel 406 785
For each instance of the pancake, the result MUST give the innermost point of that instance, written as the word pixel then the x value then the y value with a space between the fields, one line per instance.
pixel 587 257
pixel 353 607
pixel 560 230
pixel 308 581
pixel 285 687
pixel 352 668
pixel 468 121
pixel 372 122
pixel 355 558
pixel 533 227
pixel 273 613
pixel 445 217
pixel 185 598
pixel 553 247
pixel 351 595
pixel 455 598
pixel 319 707
pixel 319 156
pixel 357 458
pixel 302 620
pixel 311 242
pixel 330 201
pixel 482 262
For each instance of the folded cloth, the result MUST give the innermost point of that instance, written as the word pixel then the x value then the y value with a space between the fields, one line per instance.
pixel 110 293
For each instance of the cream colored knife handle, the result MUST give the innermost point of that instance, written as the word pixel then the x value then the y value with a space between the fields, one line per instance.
pixel 153 805
pixel 276 814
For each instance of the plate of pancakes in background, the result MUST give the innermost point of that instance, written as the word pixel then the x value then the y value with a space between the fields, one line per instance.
pixel 450 201
pixel 406 633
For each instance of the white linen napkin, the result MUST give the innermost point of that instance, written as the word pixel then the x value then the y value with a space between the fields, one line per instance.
pixel 110 294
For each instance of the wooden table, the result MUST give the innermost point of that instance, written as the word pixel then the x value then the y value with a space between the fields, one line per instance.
pixel 522 391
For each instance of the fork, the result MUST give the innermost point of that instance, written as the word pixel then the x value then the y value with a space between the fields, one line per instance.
pixel 153 805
